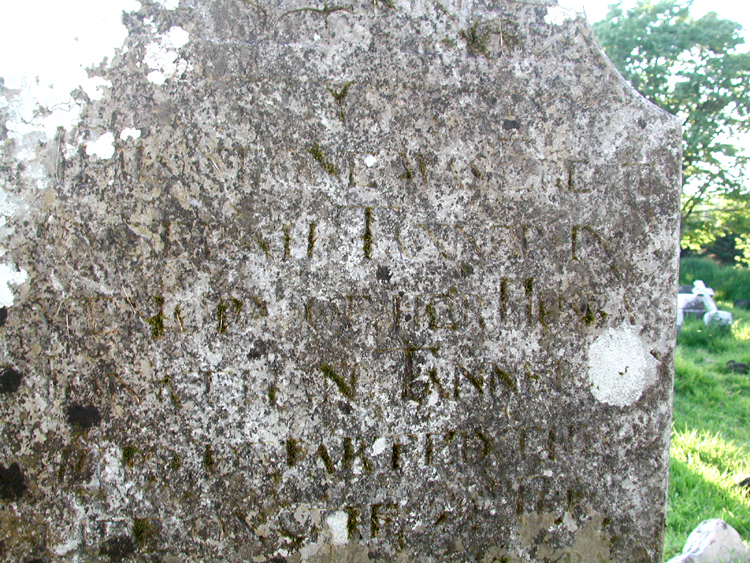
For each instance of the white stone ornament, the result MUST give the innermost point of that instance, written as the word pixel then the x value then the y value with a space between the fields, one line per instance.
pixel 713 541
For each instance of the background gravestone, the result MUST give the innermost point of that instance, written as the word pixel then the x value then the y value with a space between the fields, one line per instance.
pixel 344 282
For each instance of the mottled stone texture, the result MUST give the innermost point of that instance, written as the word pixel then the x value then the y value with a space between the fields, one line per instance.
pixel 377 282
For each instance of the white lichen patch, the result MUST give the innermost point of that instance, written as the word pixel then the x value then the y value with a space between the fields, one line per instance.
pixel 558 15
pixel 103 147
pixel 130 133
pixel 337 525
pixel 10 275
pixel 161 55
pixel 620 366
pixel 169 4
pixel 379 446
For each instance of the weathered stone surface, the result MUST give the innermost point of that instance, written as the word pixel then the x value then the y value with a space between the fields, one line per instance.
pixel 362 282
pixel 713 541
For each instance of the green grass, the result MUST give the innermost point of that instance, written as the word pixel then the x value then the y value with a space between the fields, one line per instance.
pixel 710 450
pixel 730 283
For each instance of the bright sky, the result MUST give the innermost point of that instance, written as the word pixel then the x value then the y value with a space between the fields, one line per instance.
pixel 735 10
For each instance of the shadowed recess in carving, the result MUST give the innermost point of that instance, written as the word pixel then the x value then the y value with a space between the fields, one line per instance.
pixel 407 175
pixel 294 452
pixel 12 482
pixel 506 378
pixel 128 455
pixel 311 238
pixel 346 388
pixel 208 458
pixel 142 530
pixel 325 11
pixel 259 349
pixel 339 97
pixel 476 381
pixel 157 321
pixel 422 167
pixel 350 455
pixel 320 158
pixel 179 319
pixel 576 241
pixel 222 310
pixel 118 548
pixel 287 242
pixel 83 416
pixel 325 458
pixel 477 38
pixel 10 380
pixel 263 245
pixel 367 237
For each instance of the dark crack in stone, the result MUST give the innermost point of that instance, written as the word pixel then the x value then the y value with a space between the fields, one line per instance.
pixel 12 482
pixel 10 380
pixel 118 548
pixel 83 416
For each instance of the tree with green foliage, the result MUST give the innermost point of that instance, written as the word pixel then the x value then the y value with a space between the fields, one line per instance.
pixel 692 68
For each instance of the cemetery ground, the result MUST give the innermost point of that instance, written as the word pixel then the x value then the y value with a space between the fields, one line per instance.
pixel 710 451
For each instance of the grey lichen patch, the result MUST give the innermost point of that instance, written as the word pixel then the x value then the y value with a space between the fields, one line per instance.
pixel 352 553
pixel 589 540
pixel 499 555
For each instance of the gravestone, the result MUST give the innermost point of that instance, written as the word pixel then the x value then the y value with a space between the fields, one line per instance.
pixel 367 281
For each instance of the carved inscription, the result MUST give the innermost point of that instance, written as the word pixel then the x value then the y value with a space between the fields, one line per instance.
pixel 335 294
